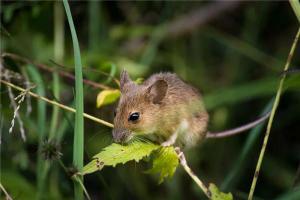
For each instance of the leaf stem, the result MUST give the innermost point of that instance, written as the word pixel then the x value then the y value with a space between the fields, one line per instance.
pixel 275 105
pixel 193 175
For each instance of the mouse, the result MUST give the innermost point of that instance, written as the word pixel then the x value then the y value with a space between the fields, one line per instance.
pixel 166 110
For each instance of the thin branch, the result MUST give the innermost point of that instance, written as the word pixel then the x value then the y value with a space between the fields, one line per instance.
pixel 95 119
pixel 192 174
pixel 8 197
pixel 51 69
pixel 275 105
pixel 82 186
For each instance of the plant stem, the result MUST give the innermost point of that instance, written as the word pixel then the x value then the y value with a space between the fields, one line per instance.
pixel 296 7
pixel 78 144
pixel 193 175
pixel 275 105
pixel 8 197
pixel 58 55
pixel 95 119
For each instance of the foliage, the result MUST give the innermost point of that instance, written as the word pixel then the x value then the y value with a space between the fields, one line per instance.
pixel 106 97
pixel 165 162
pixel 116 154
pixel 216 194
pixel 78 142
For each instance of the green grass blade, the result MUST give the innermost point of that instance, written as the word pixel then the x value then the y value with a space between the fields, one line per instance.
pixel 296 7
pixel 235 173
pixel 78 145
pixel 239 93
pixel 59 41
pixel 41 120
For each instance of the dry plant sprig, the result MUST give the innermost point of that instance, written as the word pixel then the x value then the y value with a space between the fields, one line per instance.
pixel 16 107
pixel 95 119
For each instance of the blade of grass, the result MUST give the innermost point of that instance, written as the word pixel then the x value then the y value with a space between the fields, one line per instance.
pixel 244 48
pixel 296 7
pixel 59 41
pixel 239 93
pixel 94 10
pixel 235 173
pixel 78 146
pixel 275 105
pixel 41 120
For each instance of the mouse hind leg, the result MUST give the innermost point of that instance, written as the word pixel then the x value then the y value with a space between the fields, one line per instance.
pixel 181 130
pixel 197 130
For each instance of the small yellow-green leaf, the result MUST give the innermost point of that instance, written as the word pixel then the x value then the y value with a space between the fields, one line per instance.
pixel 118 154
pixel 216 194
pixel 165 163
pixel 107 97
pixel 139 81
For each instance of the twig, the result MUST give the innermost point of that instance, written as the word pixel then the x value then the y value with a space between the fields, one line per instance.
pixel 192 174
pixel 50 69
pixel 275 105
pixel 82 186
pixel 16 106
pixel 95 119
pixel 8 197
pixel 198 17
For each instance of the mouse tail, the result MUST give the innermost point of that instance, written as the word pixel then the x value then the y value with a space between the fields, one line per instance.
pixel 238 130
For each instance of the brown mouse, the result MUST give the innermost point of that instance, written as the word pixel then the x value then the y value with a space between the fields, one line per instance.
pixel 166 110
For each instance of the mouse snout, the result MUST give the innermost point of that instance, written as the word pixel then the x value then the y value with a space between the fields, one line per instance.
pixel 120 135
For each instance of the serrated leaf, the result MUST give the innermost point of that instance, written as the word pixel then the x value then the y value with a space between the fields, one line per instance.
pixel 119 154
pixel 216 194
pixel 165 163
pixel 106 97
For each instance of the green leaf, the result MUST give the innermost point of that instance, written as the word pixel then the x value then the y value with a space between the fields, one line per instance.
pixel 119 154
pixel 164 163
pixel 139 81
pixel 106 97
pixel 296 7
pixel 216 194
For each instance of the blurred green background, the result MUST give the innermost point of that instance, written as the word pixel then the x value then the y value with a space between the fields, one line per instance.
pixel 233 52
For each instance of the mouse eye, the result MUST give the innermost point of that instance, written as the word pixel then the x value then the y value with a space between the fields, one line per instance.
pixel 134 117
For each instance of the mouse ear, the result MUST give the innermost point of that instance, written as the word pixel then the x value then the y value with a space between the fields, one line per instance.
pixel 124 79
pixel 157 91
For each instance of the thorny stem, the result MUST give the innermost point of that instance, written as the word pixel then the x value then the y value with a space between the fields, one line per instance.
pixel 8 197
pixel 193 175
pixel 95 119
pixel 275 105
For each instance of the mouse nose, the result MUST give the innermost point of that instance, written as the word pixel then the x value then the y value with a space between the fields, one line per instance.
pixel 120 135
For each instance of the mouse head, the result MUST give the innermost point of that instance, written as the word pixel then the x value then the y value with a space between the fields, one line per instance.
pixel 138 111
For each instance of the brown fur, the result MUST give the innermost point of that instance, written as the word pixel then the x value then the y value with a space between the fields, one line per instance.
pixel 165 103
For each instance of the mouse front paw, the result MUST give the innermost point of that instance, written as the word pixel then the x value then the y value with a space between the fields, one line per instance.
pixel 167 143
